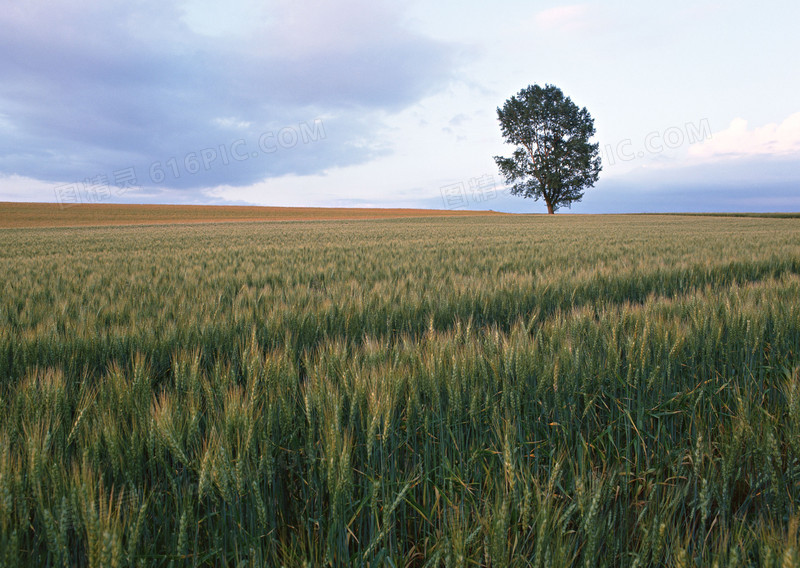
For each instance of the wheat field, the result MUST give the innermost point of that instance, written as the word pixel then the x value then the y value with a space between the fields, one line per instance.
pixel 455 391
pixel 49 215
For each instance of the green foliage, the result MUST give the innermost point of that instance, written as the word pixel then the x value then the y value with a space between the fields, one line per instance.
pixel 516 391
pixel 554 159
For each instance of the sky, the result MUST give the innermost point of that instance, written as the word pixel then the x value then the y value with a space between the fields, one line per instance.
pixel 373 103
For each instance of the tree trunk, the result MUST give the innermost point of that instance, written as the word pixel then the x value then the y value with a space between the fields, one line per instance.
pixel 549 208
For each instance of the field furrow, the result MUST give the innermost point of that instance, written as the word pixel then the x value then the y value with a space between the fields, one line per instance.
pixel 522 391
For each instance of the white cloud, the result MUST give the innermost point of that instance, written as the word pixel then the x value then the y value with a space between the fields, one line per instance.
pixel 218 19
pixel 5 122
pixel 232 123
pixel 576 17
pixel 738 141
pixel 307 28
pixel 20 188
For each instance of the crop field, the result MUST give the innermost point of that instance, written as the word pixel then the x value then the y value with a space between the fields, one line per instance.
pixel 15 215
pixel 454 391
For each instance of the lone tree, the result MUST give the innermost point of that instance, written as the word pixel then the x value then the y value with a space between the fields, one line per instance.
pixel 554 160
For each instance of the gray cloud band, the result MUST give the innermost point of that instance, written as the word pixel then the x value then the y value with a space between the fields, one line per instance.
pixel 237 151
pixel 102 187
pixel 74 104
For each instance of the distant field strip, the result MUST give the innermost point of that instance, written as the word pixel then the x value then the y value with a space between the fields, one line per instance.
pixel 82 215
pixel 481 391
pixel 751 215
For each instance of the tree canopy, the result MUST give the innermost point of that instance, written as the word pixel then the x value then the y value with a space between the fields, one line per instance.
pixel 554 159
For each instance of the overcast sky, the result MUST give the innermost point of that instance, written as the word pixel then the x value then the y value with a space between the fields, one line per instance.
pixel 393 104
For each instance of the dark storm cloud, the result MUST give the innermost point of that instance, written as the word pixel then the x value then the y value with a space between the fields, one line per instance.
pixel 91 88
